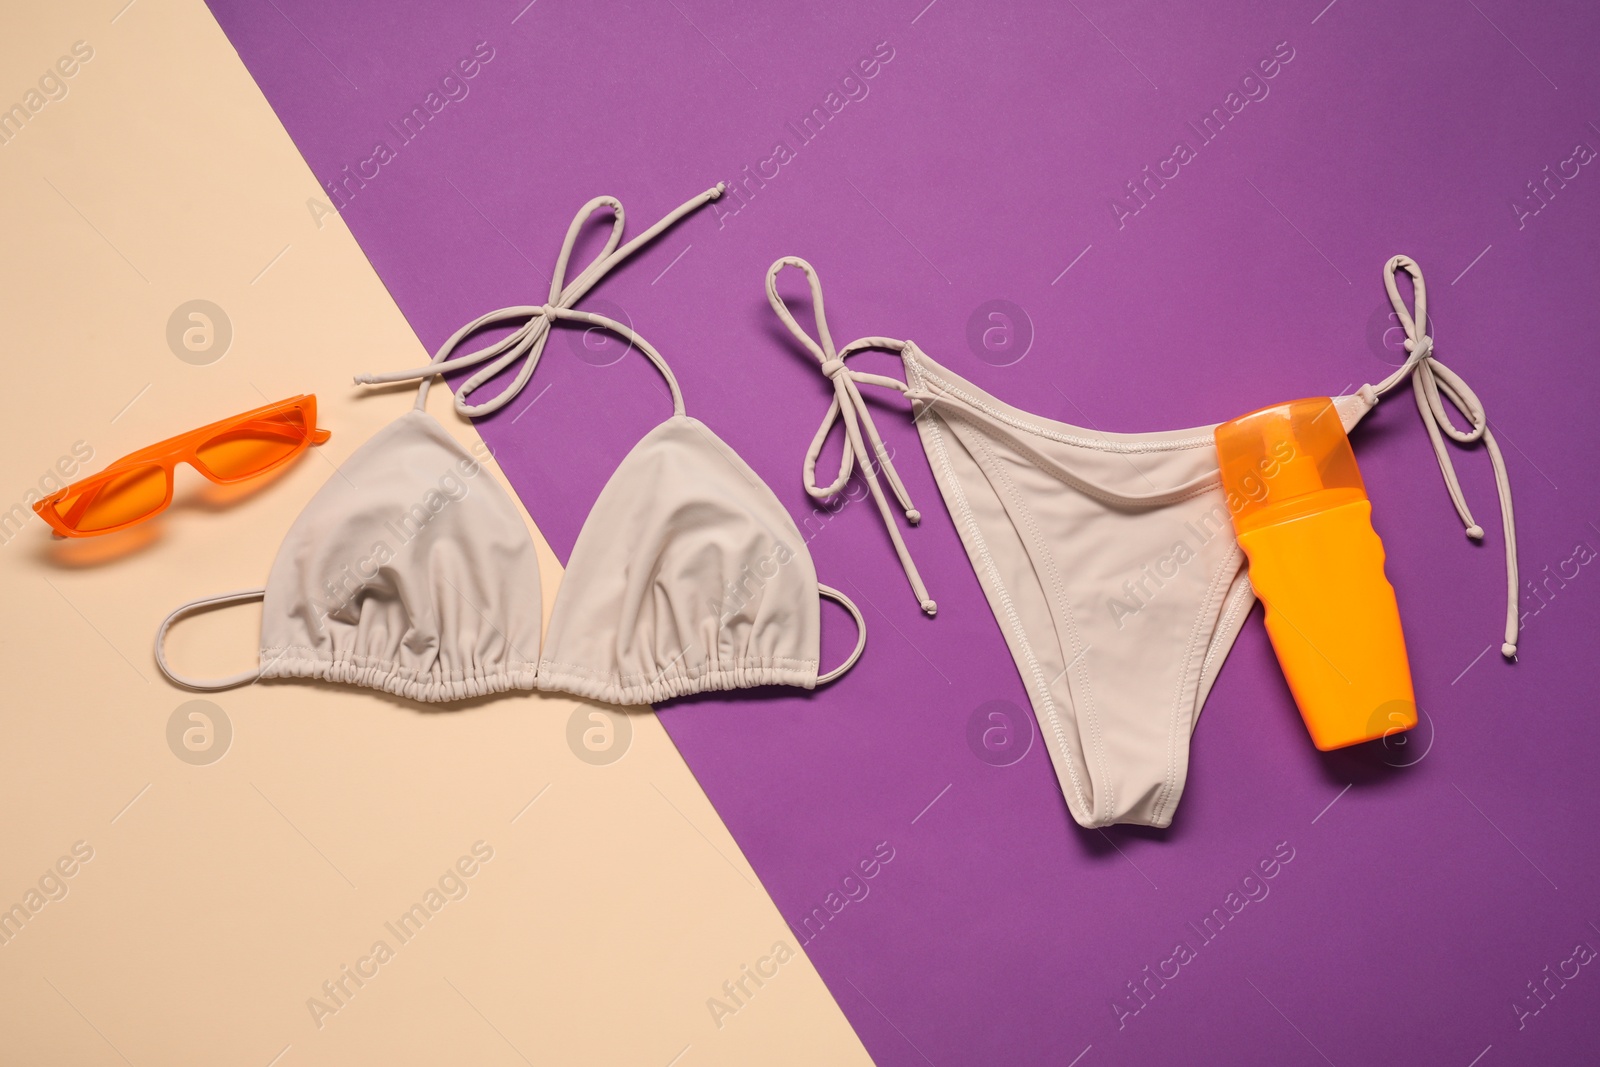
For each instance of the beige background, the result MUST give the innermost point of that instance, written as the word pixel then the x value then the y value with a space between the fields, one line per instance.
pixel 219 898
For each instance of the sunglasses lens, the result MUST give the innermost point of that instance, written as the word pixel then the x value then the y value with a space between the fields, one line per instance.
pixel 116 501
pixel 254 446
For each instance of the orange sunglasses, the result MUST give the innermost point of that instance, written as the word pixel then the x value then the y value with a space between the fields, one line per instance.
pixel 139 485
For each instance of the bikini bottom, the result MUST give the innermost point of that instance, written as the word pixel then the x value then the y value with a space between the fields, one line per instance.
pixel 1108 559
pixel 1110 563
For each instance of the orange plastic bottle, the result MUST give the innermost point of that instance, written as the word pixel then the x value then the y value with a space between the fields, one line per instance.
pixel 1302 516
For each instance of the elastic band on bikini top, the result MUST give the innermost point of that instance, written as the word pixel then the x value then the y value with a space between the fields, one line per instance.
pixel 1430 379
pixel 527 341
pixel 848 402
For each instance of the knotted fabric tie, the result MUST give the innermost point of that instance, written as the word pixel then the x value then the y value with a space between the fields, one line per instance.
pixel 527 341
pixel 847 401
pixel 1432 382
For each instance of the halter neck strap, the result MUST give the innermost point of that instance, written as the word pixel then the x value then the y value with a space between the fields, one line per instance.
pixel 1431 380
pixel 527 341
pixel 847 401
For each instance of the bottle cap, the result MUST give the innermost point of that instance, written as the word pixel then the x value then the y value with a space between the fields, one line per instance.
pixel 1285 461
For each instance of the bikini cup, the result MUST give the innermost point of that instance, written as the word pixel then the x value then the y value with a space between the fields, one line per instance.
pixel 412 572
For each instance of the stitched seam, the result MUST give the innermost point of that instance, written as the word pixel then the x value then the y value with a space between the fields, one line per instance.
pixel 1170 781
pixel 1011 616
pixel 1177 698
pixel 1227 617
pixel 1088 488
pixel 680 671
pixel 1066 439
pixel 667 687
pixel 406 673
pixel 1177 701
pixel 1065 609
pixel 372 662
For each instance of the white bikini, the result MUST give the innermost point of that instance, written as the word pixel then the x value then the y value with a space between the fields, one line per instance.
pixel 1108 559
pixel 408 573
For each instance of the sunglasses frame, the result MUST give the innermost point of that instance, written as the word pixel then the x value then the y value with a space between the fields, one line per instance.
pixel 184 448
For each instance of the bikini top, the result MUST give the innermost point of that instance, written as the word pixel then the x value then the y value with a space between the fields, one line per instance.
pixel 411 572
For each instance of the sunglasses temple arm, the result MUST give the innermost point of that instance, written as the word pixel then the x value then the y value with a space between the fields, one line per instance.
pixel 277 429
pixel 81 505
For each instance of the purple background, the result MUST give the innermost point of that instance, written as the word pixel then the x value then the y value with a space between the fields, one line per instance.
pixel 982 163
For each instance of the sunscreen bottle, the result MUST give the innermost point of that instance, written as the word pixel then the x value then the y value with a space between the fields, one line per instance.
pixel 1302 516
